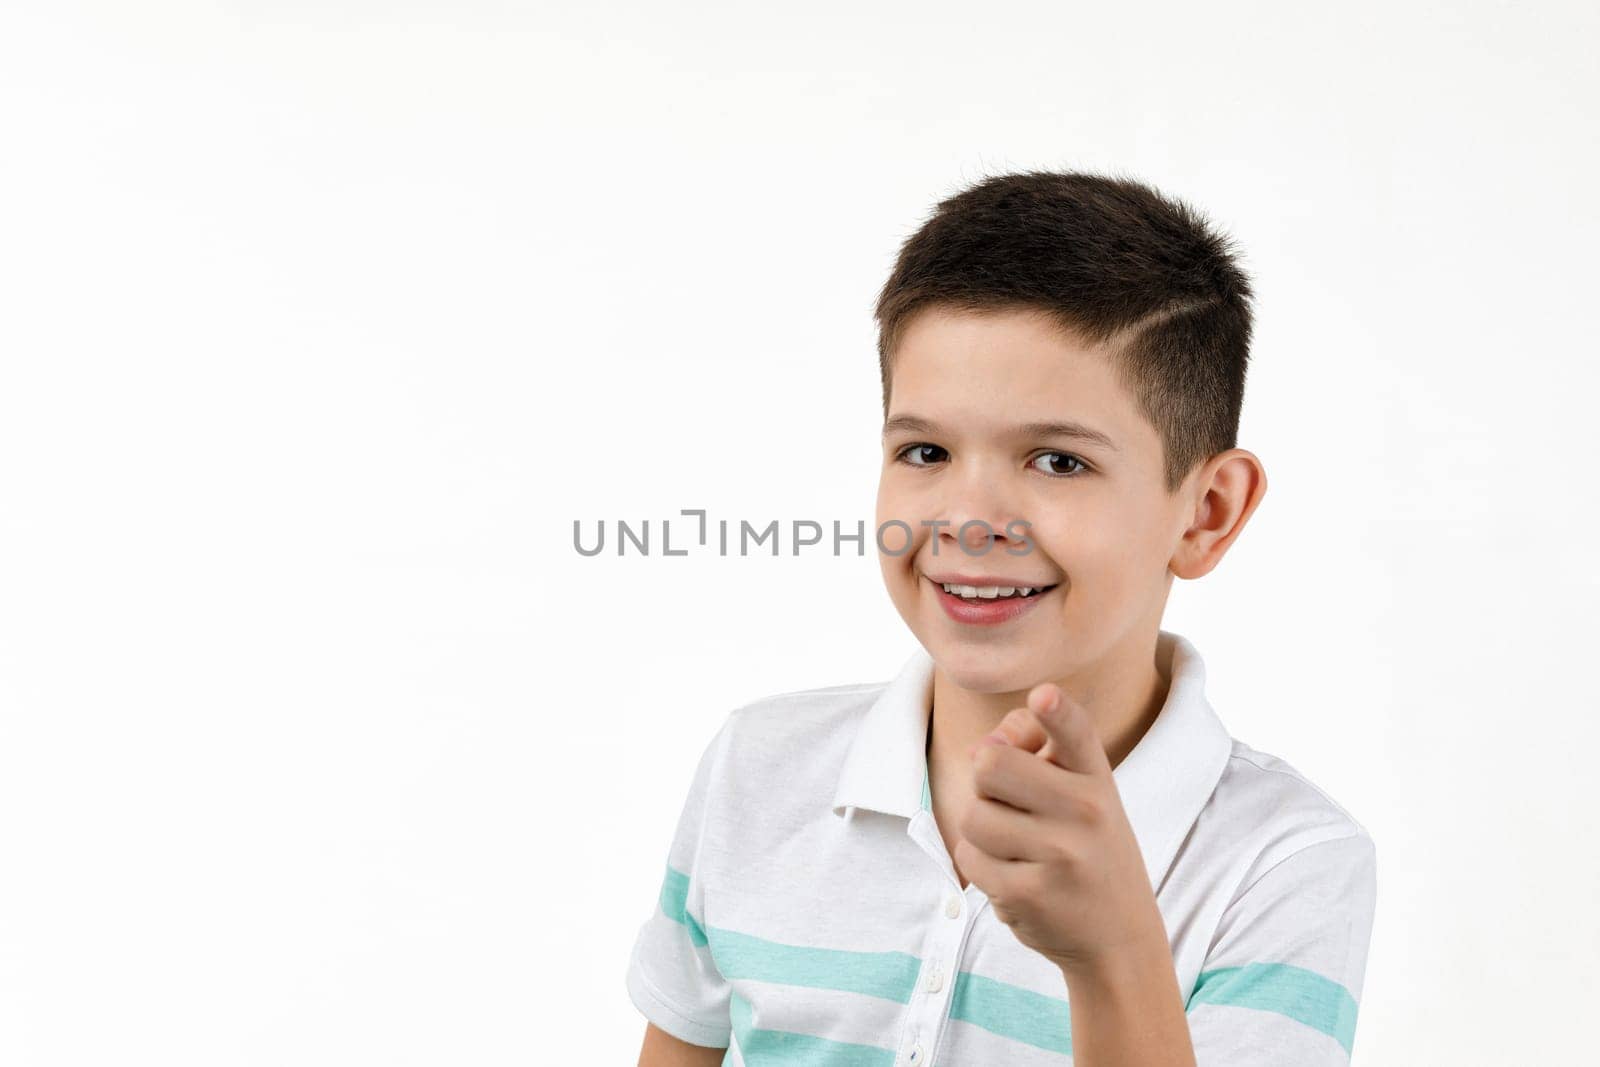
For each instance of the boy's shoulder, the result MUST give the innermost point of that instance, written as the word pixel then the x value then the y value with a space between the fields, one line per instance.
pixel 824 694
pixel 1266 798
pixel 783 716
pixel 801 734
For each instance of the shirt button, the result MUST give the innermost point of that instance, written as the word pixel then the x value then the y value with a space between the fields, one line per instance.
pixel 916 1054
pixel 952 906
pixel 935 980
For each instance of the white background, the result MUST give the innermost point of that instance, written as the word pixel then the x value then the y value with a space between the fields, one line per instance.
pixel 322 322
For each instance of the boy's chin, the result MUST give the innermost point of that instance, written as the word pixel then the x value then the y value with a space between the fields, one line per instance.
pixel 984 670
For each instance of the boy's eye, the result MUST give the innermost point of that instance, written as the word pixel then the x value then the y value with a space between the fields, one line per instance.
pixel 922 455
pixel 1065 457
pixel 916 455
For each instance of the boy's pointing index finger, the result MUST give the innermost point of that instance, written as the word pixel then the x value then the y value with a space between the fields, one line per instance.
pixel 1072 741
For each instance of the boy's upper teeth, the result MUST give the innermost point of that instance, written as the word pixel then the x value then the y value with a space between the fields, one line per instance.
pixel 987 591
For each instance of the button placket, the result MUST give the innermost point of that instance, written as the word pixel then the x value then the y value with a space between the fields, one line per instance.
pixel 932 1002
pixel 948 932
pixel 967 911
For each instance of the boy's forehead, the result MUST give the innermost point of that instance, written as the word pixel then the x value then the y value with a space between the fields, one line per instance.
pixel 1005 368
pixel 1001 347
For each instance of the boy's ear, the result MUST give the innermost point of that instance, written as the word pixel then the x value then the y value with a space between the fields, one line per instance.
pixel 1227 489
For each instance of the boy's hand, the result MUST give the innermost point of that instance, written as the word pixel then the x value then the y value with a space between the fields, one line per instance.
pixel 1048 841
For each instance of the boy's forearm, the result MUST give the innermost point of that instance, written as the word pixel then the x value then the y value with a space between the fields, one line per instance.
pixel 1129 1012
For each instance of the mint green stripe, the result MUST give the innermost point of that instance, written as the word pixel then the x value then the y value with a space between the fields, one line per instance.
pixel 890 975
pixel 927 797
pixel 674 903
pixel 1012 1011
pixel 999 1007
pixel 1302 995
pixel 785 1048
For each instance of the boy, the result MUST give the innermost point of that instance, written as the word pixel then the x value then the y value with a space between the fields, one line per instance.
pixel 1037 844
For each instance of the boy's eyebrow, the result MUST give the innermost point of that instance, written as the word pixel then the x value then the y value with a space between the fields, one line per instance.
pixel 1076 430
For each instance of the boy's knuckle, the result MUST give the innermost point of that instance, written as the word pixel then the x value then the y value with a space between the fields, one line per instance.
pixel 1060 851
pixel 967 825
pixel 1091 809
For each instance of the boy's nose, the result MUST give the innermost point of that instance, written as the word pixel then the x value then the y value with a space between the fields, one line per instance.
pixel 974 531
pixel 979 535
pixel 976 508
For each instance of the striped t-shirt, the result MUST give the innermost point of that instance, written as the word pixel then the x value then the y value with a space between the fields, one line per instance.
pixel 809 912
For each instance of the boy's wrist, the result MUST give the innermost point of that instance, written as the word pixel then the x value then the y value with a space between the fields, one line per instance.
pixel 1126 1009
pixel 1127 965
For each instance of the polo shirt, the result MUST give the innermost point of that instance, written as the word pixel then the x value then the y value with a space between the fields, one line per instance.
pixel 809 912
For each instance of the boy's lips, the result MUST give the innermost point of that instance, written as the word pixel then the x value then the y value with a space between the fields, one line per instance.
pixel 985 611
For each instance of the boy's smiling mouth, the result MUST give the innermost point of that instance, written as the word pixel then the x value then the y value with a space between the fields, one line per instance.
pixel 992 589
pixel 986 600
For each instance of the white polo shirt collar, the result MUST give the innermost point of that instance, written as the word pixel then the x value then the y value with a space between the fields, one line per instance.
pixel 1164 782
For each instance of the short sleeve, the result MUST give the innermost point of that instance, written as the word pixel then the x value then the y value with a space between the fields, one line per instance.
pixel 672 978
pixel 1282 981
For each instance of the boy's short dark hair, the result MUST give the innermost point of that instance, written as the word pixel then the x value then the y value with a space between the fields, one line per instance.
pixel 1106 258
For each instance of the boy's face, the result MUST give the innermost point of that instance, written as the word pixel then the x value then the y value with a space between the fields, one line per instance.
pixel 1101 526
